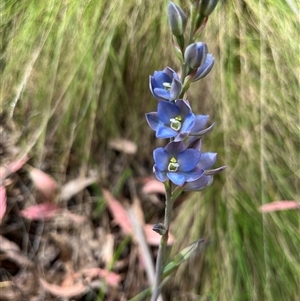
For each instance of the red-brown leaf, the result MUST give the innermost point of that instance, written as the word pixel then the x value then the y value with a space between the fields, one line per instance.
pixel 41 211
pixel 77 288
pixel 153 186
pixel 118 212
pixel 75 186
pixel 5 171
pixel 111 278
pixel 43 182
pixel 279 206
pixel 3 200
pixel 67 292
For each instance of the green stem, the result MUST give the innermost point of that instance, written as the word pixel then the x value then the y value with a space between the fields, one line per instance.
pixel 184 69
pixel 163 242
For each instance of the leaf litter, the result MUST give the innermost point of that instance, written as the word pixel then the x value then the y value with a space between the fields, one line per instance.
pixel 54 246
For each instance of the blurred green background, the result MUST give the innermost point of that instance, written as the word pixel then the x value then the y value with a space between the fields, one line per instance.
pixel 75 74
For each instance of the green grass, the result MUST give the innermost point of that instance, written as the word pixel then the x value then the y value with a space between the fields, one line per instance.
pixel 256 107
pixel 75 73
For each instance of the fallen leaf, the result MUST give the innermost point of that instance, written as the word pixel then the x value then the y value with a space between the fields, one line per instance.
pixel 3 200
pixel 279 206
pixel 122 219
pixel 41 211
pixel 153 186
pixel 5 171
pixel 73 291
pixel 153 238
pixel 118 212
pixel 75 186
pixel 76 289
pixel 18 164
pixel 123 145
pixel 107 246
pixel 65 251
pixel 111 278
pixel 7 245
pixel 43 182
pixel 13 253
pixel 75 218
pixel 24 282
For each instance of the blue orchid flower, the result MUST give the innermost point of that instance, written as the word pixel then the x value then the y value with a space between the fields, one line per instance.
pixel 206 161
pixel 165 85
pixel 175 120
pixel 177 163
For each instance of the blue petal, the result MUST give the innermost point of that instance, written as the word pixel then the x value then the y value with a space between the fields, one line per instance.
pixel 161 77
pixel 176 178
pixel 161 158
pixel 163 132
pixel 207 160
pixel 200 122
pixel 175 90
pixel 153 83
pixel 161 93
pixel 188 123
pixel 188 159
pixel 184 107
pixel 199 184
pixel 175 147
pixel 166 111
pixel 195 143
pixel 152 120
pixel 181 136
pixel 194 174
pixel 160 175
pixel 171 73
pixel 205 68
pixel 214 171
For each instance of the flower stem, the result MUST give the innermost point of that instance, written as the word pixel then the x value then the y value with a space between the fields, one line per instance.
pixel 163 242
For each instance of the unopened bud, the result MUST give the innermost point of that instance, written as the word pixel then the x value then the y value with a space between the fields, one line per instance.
pixel 195 55
pixel 205 68
pixel 207 7
pixel 177 19
pixel 159 228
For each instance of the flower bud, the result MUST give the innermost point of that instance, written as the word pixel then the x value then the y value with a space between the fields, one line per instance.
pixel 207 7
pixel 205 68
pixel 160 229
pixel 177 19
pixel 195 55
